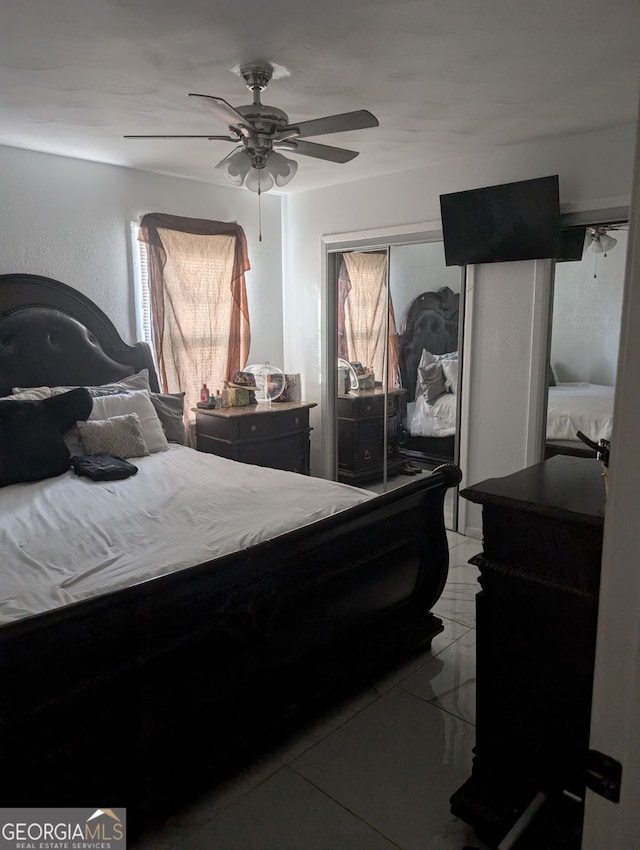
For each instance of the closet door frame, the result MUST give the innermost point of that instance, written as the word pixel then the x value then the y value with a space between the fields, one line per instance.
pixel 332 245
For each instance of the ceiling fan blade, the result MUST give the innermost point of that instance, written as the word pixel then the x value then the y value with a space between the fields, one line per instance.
pixel 359 120
pixel 318 151
pixel 225 111
pixel 211 138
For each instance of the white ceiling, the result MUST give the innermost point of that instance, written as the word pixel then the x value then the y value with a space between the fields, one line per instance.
pixel 445 78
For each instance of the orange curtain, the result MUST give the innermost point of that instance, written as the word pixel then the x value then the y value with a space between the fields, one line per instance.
pixel 362 307
pixel 198 300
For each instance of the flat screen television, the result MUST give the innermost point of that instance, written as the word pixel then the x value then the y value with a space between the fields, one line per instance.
pixel 498 224
pixel 571 243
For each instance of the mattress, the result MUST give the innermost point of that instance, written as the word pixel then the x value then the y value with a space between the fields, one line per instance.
pixel 68 538
pixel 580 406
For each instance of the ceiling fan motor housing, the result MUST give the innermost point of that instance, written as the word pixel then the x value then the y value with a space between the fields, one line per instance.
pixel 257 75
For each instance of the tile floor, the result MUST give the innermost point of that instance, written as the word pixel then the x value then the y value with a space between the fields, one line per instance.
pixel 376 773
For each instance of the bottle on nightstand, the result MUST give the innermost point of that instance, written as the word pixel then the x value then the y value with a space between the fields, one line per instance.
pixel 204 393
pixel 225 402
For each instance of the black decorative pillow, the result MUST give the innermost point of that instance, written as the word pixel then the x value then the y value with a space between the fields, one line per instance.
pixel 31 435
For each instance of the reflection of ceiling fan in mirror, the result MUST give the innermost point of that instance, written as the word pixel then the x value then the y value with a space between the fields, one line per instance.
pixel 262 131
pixel 599 240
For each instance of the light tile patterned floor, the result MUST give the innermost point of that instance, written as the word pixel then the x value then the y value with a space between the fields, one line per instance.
pixel 376 773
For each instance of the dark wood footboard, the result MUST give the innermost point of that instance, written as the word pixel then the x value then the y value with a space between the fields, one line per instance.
pixel 118 697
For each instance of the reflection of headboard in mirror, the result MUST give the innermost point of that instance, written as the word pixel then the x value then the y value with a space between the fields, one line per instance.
pixel 432 323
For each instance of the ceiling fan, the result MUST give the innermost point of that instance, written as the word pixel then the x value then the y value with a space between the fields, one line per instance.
pixel 261 132
pixel 599 240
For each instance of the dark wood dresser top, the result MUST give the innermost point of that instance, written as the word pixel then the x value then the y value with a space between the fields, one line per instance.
pixel 261 409
pixel 570 488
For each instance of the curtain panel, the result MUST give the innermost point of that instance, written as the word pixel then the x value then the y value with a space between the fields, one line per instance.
pixel 198 300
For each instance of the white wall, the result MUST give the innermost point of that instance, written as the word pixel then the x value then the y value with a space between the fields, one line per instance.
pixel 504 379
pixel 414 269
pixel 69 219
pixel 586 315
pixel 408 198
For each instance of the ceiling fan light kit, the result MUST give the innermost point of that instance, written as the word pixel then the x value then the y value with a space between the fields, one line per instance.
pixel 600 240
pixel 258 172
pixel 260 130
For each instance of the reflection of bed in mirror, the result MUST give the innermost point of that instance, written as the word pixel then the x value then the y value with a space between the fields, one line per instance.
pixel 577 406
pixel 430 331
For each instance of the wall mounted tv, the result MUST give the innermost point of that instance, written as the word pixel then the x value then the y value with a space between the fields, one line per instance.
pixel 498 224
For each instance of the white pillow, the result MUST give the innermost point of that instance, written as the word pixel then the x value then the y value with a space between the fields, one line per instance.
pixel 428 357
pixel 31 394
pixel 449 363
pixel 450 369
pixel 136 401
pixel 139 381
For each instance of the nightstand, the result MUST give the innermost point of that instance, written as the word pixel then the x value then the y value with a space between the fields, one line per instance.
pixel 361 416
pixel 275 435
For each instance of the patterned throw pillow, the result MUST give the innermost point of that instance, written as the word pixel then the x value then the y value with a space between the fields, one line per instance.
pixel 120 435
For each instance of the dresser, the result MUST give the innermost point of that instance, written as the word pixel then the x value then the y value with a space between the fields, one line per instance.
pixel 275 435
pixel 361 417
pixel 536 631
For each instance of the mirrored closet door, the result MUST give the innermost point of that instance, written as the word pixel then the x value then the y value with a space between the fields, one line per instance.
pixel 398 324
pixel 584 339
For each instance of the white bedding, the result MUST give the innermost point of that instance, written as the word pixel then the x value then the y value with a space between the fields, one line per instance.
pixel 580 407
pixel 65 539
pixel 435 419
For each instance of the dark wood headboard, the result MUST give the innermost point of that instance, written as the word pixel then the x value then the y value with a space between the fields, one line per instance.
pixel 432 323
pixel 51 335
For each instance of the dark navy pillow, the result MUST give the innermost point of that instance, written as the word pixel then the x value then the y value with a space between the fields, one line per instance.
pixel 31 435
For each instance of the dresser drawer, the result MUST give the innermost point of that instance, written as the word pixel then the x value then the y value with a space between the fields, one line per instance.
pixel 251 425
pixel 288 453
pixel 272 423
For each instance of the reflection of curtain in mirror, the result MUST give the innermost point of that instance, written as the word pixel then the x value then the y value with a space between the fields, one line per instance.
pixel 362 302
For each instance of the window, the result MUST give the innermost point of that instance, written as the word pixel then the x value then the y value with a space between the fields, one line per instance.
pixel 192 300
pixel 144 328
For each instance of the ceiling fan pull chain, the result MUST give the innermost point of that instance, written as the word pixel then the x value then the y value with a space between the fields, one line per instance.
pixel 259 211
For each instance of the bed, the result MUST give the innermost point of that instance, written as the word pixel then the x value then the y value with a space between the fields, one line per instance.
pixel 141 674
pixel 577 406
pixel 428 340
